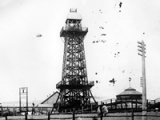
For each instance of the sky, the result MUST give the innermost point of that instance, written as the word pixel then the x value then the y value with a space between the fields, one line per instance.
pixel 31 50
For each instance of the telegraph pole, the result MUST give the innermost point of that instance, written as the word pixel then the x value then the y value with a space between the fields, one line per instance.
pixel 142 52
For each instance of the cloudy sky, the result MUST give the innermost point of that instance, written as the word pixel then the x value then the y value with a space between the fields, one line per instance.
pixel 31 50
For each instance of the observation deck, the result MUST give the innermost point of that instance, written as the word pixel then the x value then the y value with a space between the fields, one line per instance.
pixel 73 84
pixel 73 29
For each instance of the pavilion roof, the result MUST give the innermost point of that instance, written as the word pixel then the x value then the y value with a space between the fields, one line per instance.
pixel 129 91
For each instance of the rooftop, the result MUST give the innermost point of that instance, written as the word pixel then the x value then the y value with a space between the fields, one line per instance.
pixel 129 91
pixel 73 15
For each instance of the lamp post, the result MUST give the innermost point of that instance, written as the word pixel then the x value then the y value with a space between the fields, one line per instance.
pixel 141 49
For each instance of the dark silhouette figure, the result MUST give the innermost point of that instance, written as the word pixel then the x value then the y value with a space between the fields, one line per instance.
pixel 33 109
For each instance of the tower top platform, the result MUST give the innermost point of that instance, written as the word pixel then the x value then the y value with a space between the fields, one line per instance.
pixel 73 15
pixel 73 24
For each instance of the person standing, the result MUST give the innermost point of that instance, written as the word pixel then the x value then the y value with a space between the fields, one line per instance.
pixel 105 110
pixel 33 109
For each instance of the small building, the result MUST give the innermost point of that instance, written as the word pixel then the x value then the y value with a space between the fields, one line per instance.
pixel 128 100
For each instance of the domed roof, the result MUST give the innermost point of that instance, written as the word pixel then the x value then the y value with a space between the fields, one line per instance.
pixel 74 15
pixel 129 91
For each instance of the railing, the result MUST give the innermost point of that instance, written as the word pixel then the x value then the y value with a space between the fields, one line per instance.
pixel 88 116
pixel 68 28
pixel 43 113
pixel 90 83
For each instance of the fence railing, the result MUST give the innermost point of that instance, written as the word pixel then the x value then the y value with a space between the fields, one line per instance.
pixel 75 116
pixel 112 115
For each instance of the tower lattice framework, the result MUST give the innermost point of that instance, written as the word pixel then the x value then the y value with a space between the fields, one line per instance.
pixel 74 88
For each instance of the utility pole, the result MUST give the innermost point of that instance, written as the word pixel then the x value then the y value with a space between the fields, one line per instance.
pixel 141 49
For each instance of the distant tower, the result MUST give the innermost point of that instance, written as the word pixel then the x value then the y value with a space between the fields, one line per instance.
pixel 74 87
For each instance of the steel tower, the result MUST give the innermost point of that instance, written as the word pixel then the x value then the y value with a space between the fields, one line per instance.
pixel 74 88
